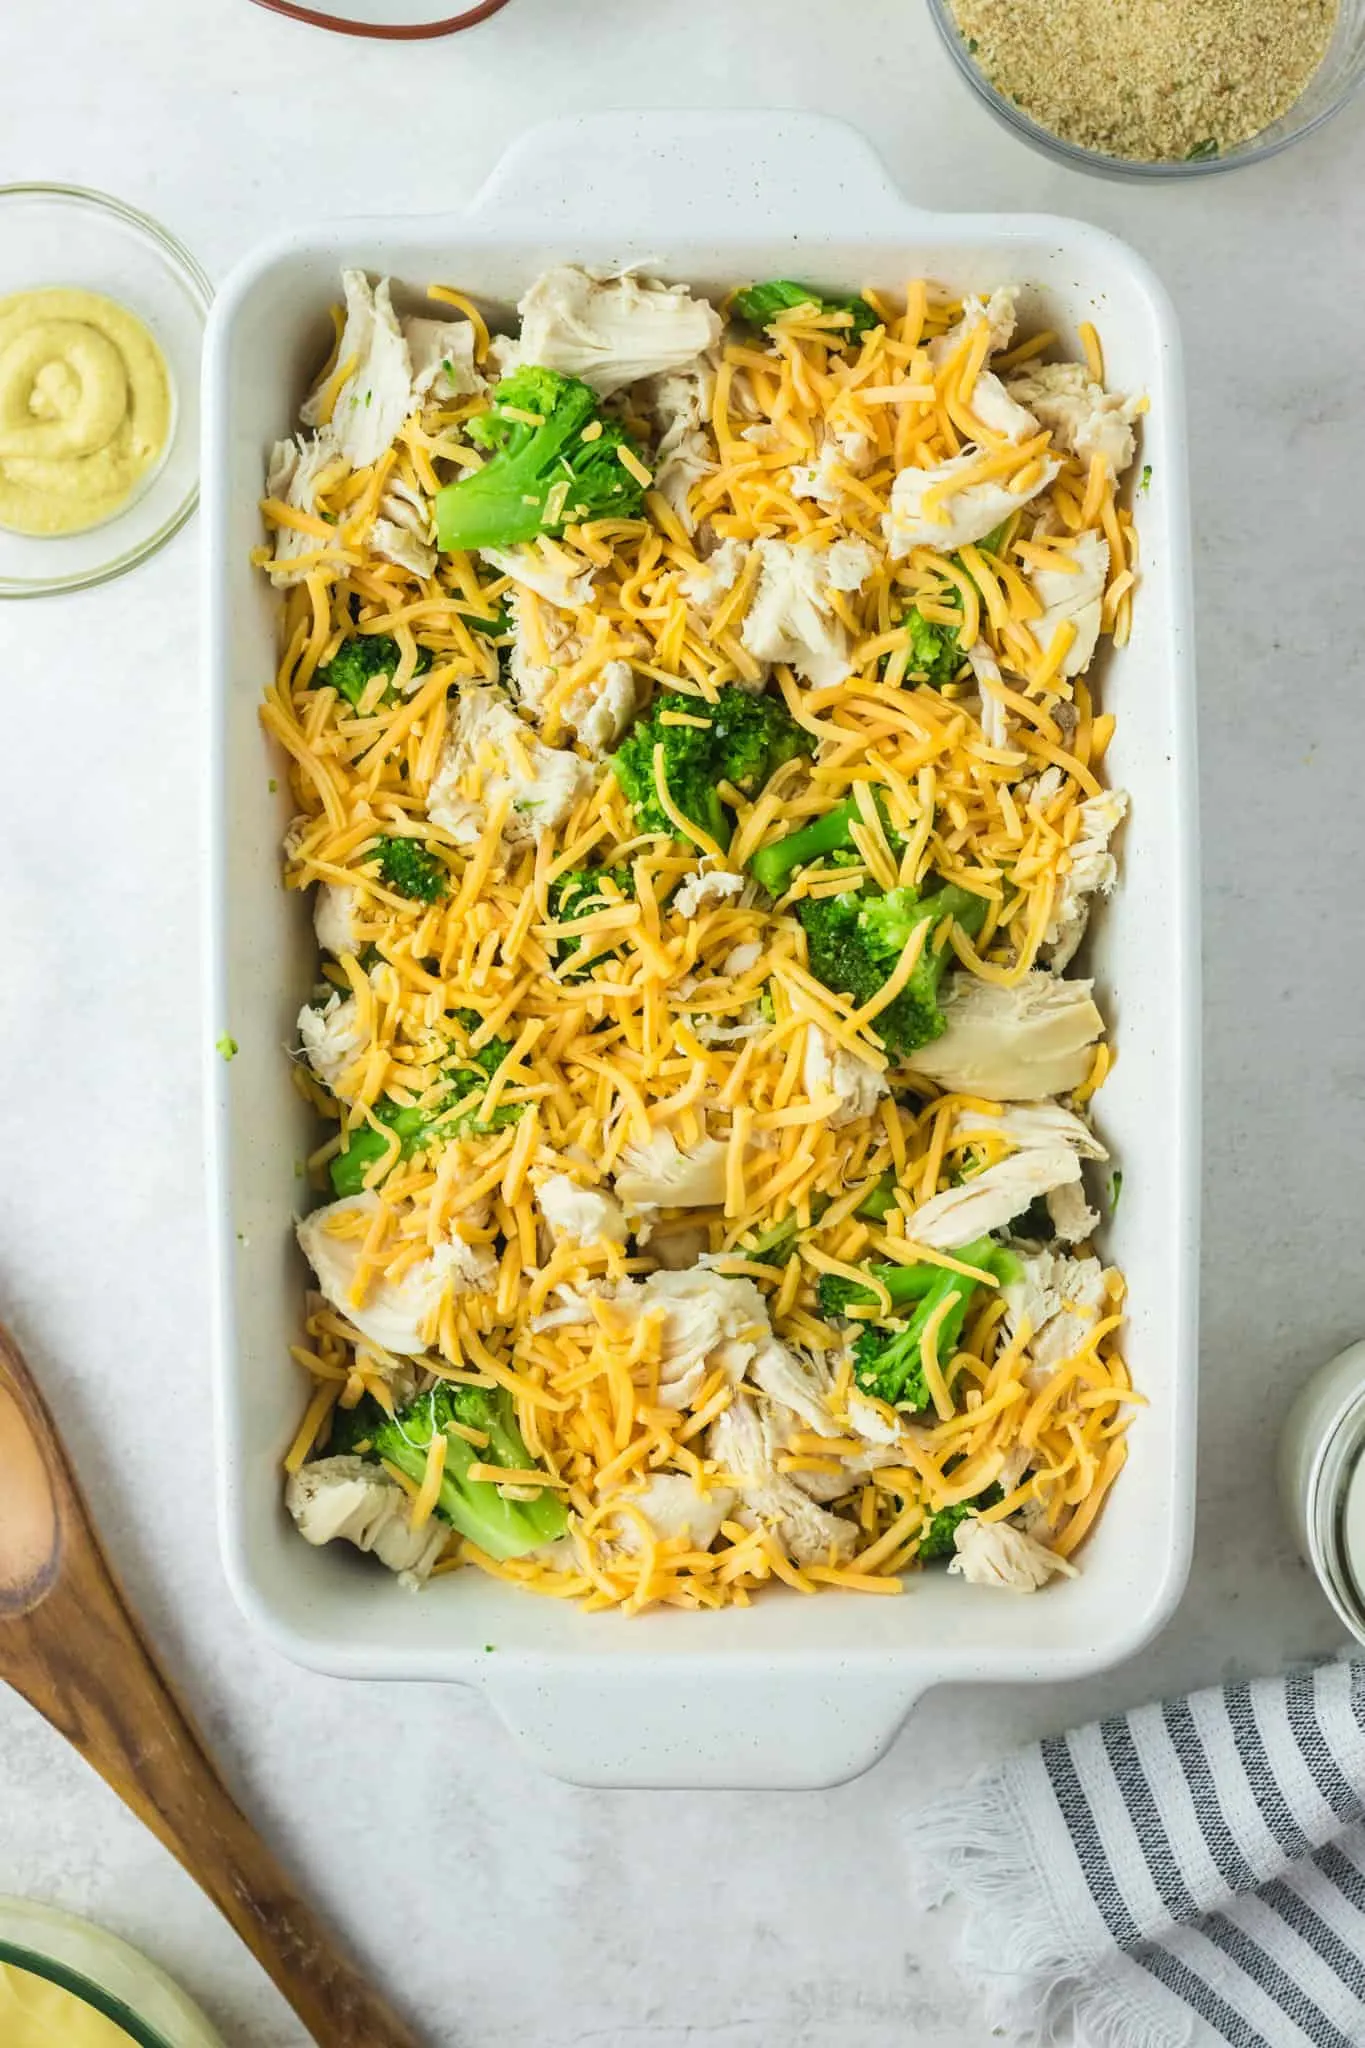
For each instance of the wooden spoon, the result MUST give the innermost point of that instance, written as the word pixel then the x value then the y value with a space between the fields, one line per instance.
pixel 71 1645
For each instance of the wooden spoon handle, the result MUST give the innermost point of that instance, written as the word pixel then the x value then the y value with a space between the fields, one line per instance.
pixel 74 1649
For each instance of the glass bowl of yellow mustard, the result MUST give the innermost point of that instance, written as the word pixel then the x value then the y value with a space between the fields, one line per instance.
pixel 101 324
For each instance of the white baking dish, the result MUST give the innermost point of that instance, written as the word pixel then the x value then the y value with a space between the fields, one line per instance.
pixel 792 1691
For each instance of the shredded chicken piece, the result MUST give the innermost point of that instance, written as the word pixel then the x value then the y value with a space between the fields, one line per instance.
pixel 674 1505
pixel 711 1322
pixel 738 1444
pixel 965 515
pixel 549 576
pixel 791 618
pixel 336 908
pixel 1083 418
pixel 377 396
pixel 296 472
pixel 1015 1044
pixel 1091 871
pixel 828 1067
pixel 708 885
pixel 610 331
pixel 398 1313
pixel 584 1215
pixel 660 1175
pixel 994 1554
pixel 717 576
pixel 353 1501
pixel 681 407
pixel 1060 1299
pixel 333 1039
pixel 999 311
pixel 544 782
pixel 1074 597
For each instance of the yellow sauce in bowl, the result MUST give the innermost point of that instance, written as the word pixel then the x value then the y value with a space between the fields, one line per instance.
pixel 85 409
pixel 36 2013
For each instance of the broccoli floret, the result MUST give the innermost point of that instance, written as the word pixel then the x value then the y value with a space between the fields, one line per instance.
pixel 577 894
pixel 411 868
pixel 774 865
pixel 454 1115
pixel 888 1362
pixel 503 1528
pixel 776 1246
pixel 855 941
pixel 759 305
pixel 361 658
pixel 754 735
pixel 934 650
pixel 554 458
pixel 939 1539
pixel 689 768
pixel 495 628
pixel 739 739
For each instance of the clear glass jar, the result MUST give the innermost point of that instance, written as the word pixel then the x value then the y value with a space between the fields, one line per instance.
pixel 1322 1481
pixel 67 1981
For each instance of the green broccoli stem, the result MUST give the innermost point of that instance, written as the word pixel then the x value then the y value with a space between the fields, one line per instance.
pixel 502 1528
pixel 774 865
pixel 776 1245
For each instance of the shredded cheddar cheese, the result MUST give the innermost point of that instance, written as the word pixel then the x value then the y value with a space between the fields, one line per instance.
pixel 583 1036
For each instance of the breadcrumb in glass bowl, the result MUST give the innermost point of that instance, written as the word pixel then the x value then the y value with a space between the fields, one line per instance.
pixel 1329 86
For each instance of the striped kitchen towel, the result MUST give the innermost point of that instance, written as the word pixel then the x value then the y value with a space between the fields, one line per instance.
pixel 1189 1874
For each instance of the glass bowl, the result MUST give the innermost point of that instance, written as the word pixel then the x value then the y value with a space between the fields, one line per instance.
pixel 65 235
pixel 1333 83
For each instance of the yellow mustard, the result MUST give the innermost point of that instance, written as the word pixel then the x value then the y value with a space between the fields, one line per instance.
pixel 85 409
pixel 35 2013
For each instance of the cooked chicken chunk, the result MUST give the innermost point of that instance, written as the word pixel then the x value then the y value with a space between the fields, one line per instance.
pixel 994 1554
pixel 829 1068
pixel 1060 1299
pixel 768 1498
pixel 673 1505
pixel 791 618
pixel 1083 417
pixel 491 753
pixel 965 514
pixel 333 1040
pixel 396 1314
pixel 377 396
pixel 1016 1044
pixel 659 1175
pixel 708 885
pixel 610 331
pixel 1074 597
pixel 1091 870
pixel 353 1501
pixel 585 1215
pixel 295 474
pixel 336 910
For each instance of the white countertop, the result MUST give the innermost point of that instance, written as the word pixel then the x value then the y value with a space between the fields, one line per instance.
pixel 504 1908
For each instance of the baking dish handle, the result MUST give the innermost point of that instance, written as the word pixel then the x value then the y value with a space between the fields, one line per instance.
pixel 765 173
pixel 732 1730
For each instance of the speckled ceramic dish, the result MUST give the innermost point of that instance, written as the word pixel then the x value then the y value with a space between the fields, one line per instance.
pixel 789 1691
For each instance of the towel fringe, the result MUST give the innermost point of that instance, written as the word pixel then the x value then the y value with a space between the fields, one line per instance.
pixel 972 1844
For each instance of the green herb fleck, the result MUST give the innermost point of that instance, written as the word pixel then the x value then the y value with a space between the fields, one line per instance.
pixel 1145 483
pixel 226 1047
pixel 1115 1190
pixel 972 46
pixel 272 785
pixel 1202 151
